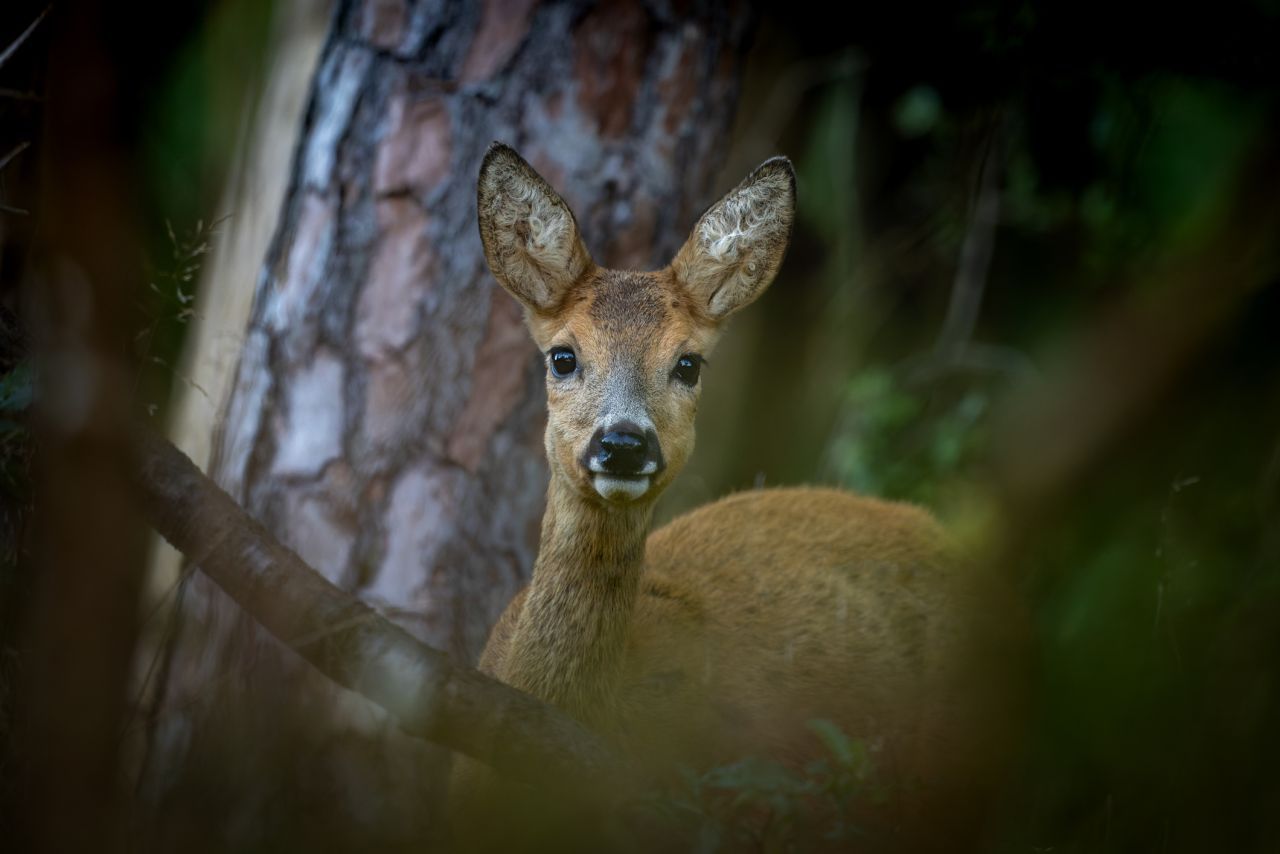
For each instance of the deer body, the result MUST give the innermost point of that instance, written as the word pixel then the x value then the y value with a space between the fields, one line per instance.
pixel 725 632
pixel 742 621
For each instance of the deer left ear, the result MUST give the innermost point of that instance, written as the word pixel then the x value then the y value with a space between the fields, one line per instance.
pixel 530 237
pixel 737 246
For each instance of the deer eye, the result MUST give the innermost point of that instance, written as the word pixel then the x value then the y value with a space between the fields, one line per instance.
pixel 687 369
pixel 562 361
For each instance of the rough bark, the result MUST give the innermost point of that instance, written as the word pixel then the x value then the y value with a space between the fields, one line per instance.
pixel 386 419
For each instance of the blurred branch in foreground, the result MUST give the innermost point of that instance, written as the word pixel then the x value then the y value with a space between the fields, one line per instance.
pixel 80 577
pixel 1058 432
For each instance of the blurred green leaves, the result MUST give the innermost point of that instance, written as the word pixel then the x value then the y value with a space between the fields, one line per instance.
pixel 196 117
pixel 899 440
pixel 761 804
pixel 918 111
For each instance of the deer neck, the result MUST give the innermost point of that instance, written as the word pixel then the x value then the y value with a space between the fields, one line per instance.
pixel 571 637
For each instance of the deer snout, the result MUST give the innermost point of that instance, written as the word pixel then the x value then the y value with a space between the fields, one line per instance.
pixel 625 450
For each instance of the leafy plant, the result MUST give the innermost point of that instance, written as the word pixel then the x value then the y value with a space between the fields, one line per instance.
pixel 169 304
pixel 904 440
pixel 761 804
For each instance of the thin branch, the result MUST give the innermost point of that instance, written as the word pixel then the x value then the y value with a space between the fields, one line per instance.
pixel 17 43
pixel 429 695
pixel 975 255
pixel 983 359
pixel 17 149
pixel 955 350
pixel 19 95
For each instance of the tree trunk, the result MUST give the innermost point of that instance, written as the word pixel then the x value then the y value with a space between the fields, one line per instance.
pixel 386 419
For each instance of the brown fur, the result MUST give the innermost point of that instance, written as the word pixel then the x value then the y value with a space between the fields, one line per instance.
pixel 723 633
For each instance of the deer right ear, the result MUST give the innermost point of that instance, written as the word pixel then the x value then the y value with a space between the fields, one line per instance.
pixel 530 237
pixel 736 248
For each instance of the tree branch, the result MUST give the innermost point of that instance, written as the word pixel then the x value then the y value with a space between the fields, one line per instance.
pixel 23 36
pixel 955 351
pixel 13 152
pixel 430 696
pixel 975 254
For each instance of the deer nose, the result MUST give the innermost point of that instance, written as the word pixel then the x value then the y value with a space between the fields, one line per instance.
pixel 624 450
pixel 622 453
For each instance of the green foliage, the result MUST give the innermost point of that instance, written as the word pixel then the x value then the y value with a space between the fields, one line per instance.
pixel 903 440
pixel 918 111
pixel 195 118
pixel 760 804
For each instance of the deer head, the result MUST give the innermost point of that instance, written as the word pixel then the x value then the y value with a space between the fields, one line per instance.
pixel 625 349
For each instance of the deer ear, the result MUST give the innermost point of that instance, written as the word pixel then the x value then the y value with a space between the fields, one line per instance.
pixel 530 237
pixel 737 246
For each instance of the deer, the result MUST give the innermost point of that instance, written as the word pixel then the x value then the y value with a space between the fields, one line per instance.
pixel 728 630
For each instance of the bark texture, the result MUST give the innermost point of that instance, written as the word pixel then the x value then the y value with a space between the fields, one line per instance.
pixel 387 415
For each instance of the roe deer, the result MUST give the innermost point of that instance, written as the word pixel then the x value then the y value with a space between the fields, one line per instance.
pixel 725 632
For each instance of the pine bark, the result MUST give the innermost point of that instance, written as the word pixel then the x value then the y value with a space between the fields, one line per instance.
pixel 386 418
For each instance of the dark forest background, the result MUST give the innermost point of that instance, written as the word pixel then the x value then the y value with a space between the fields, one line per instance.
pixel 1000 204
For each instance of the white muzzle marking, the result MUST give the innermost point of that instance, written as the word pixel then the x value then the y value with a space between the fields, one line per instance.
pixel 613 488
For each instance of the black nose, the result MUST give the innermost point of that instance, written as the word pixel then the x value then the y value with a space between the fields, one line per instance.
pixel 624 450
